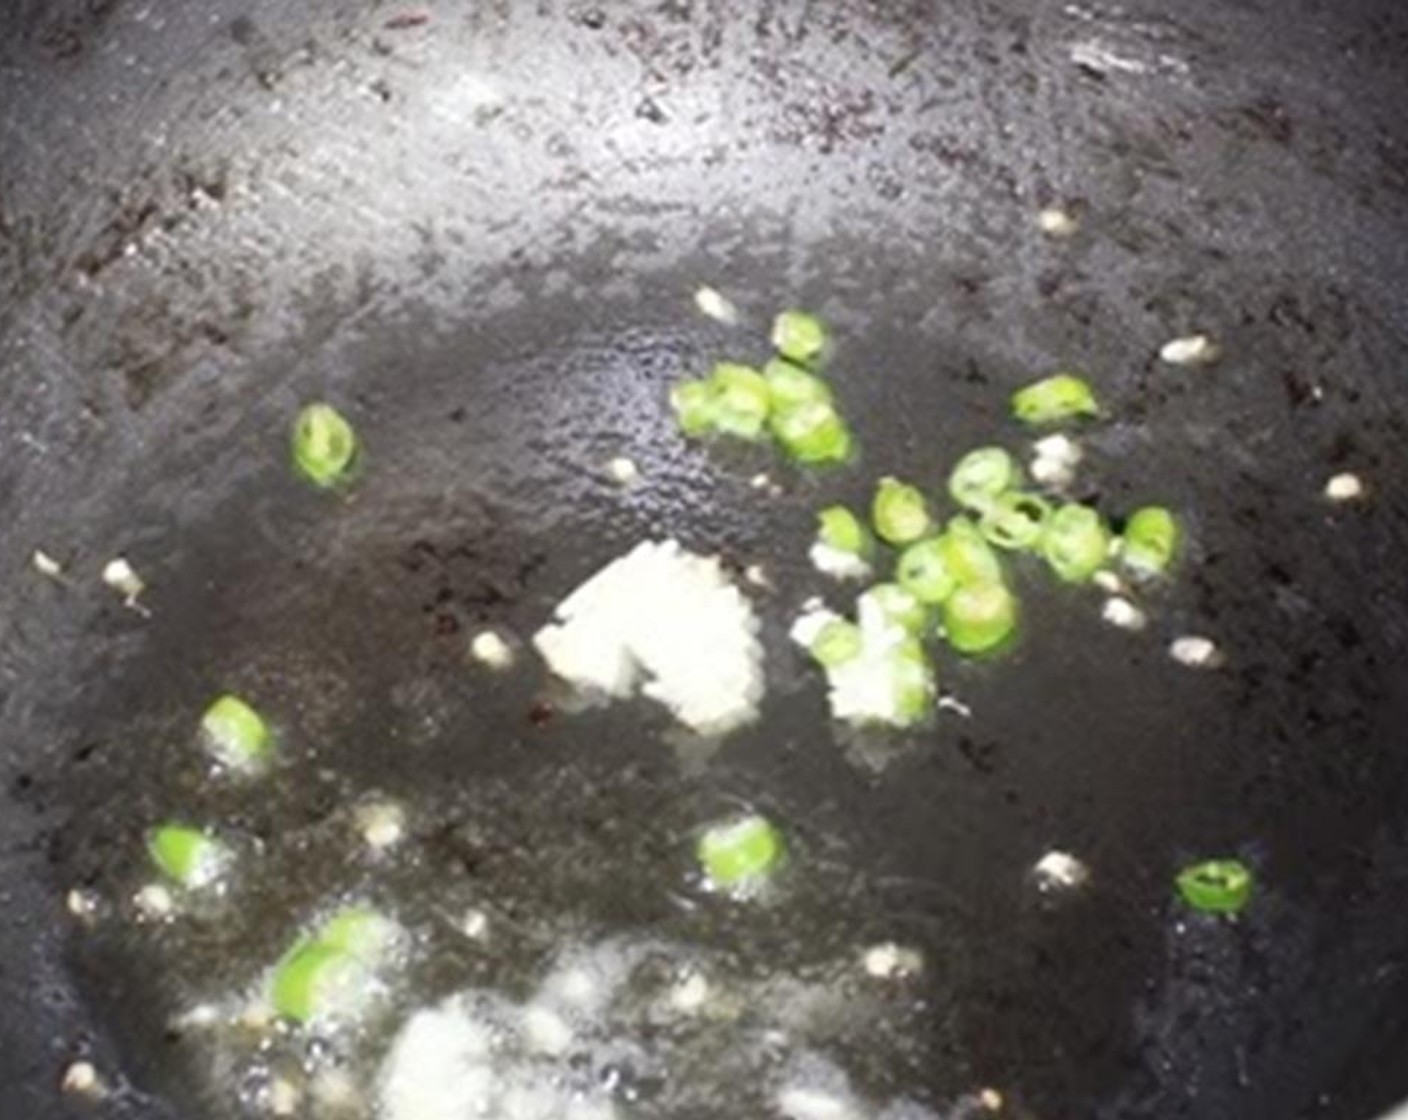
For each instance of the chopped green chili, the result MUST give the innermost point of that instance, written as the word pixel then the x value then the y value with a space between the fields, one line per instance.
pixel 235 734
pixel 791 385
pixel 695 407
pixel 187 855
pixel 742 400
pixel 912 678
pixel 889 604
pixel 981 476
pixel 1149 541
pixel 331 971
pixel 968 555
pixel 1218 886
pixel 923 571
pixel 324 444
pixel 839 528
pixel 799 336
pixel 899 513
pixel 1015 520
pixel 1063 396
pixel 813 433
pixel 1076 543
pixel 980 617
pixel 837 642
pixel 738 855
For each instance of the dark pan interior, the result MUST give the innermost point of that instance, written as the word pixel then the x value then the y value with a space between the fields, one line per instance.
pixel 480 236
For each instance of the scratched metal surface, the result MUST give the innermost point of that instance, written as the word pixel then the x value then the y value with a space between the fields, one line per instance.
pixel 480 235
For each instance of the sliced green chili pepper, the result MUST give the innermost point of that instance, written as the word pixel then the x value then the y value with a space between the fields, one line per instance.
pixel 969 557
pixel 1015 520
pixel 1076 543
pixel 889 604
pixel 740 854
pixel 695 406
pixel 899 513
pixel 912 678
pixel 742 400
pixel 839 528
pixel 330 973
pixel 837 642
pixel 187 855
pixel 799 336
pixel 1218 886
pixel 1053 399
pixel 324 444
pixel 980 617
pixel 923 571
pixel 813 433
pixel 236 734
pixel 791 385
pixel 981 476
pixel 1149 541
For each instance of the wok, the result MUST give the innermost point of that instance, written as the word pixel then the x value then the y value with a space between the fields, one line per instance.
pixel 477 228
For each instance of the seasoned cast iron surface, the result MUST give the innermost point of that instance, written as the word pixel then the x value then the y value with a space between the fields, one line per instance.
pixel 480 233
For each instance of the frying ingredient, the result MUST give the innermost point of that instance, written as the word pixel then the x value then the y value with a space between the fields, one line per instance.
pixel 969 557
pixel 1120 612
pixel 981 475
pixel 1195 349
pixel 837 642
pixel 889 604
pixel 1055 460
pixel 122 578
pixel 889 961
pixel 1195 652
pixel 381 823
pixel 694 404
pixel 623 471
pixel 83 904
pixel 154 903
pixel 324 445
pixel 1056 222
pixel 1063 396
pixel 741 400
pixel 812 433
pixel 188 856
pixel 1015 520
pixel 46 565
pixel 668 622
pixel 799 337
pixel 81 1079
pixel 1217 886
pixel 333 974
pixel 889 681
pixel 842 545
pixel 791 385
pixel 899 513
pixel 1149 541
pixel 738 856
pixel 1344 487
pixel 1076 543
pixel 980 618
pixel 489 648
pixel 236 735
pixel 715 305
pixel 1058 871
pixel 923 571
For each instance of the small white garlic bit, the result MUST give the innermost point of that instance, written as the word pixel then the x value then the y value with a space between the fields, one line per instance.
pixel 1196 652
pixel 1344 487
pixel 713 304
pixel 489 648
pixel 123 578
pixel 623 471
pixel 1120 612
pixel 1059 871
pixel 1192 350
pixel 1057 222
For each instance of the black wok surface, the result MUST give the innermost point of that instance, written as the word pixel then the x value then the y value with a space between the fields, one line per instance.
pixel 479 235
